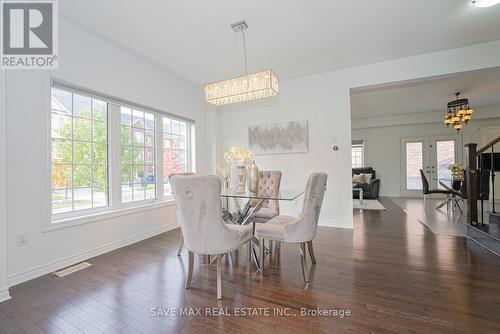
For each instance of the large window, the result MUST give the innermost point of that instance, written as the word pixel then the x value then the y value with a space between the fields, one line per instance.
pixel 137 155
pixel 175 149
pixel 79 136
pixel 357 154
pixel 91 173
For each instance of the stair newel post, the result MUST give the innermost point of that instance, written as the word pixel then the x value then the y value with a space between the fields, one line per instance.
pixel 481 186
pixel 493 178
pixel 471 172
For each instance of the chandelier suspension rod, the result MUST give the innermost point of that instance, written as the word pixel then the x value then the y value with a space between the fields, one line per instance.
pixel 245 50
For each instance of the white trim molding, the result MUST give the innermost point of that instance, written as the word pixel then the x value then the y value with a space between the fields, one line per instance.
pixel 336 223
pixel 50 267
pixel 432 117
pixel 105 215
pixel 4 291
pixel 4 294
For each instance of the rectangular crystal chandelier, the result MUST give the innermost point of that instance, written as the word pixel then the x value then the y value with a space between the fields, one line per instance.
pixel 245 88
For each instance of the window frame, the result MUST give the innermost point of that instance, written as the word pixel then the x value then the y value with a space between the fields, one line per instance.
pixel 358 144
pixel 89 211
pixel 189 148
pixel 156 162
pixel 115 207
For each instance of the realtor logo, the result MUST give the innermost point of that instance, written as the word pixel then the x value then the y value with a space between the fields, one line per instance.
pixel 29 34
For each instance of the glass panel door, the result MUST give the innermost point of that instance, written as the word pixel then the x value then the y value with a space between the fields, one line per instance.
pixel 414 162
pixel 431 154
pixel 445 156
pixel 444 151
pixel 414 158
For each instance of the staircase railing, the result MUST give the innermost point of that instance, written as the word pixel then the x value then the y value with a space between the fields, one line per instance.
pixel 475 176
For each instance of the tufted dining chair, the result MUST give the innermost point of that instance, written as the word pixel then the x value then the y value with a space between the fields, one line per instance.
pixel 269 184
pixel 199 207
pixel 301 229
pixel 181 238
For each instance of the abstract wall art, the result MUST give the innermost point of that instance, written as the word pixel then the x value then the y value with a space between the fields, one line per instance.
pixel 276 138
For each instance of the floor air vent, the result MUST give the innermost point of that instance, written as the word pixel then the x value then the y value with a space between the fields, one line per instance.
pixel 72 269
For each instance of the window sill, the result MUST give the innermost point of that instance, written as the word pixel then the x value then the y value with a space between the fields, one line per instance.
pixel 95 217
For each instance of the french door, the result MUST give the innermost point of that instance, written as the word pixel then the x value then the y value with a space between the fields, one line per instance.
pixel 432 154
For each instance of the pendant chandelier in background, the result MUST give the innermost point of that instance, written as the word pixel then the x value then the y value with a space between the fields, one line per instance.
pixel 459 113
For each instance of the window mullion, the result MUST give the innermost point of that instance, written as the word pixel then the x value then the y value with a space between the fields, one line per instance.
pixel 160 190
pixel 192 147
pixel 72 155
pixel 114 139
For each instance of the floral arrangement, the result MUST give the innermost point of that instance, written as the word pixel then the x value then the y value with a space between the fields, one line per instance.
pixel 237 155
pixel 457 171
pixel 456 167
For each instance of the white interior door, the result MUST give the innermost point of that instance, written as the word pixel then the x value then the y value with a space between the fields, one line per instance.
pixel 433 155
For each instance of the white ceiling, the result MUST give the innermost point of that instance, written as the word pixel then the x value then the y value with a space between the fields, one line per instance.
pixel 294 37
pixel 482 88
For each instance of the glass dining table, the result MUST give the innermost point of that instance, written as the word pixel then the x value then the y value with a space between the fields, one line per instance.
pixel 453 187
pixel 242 214
pixel 254 201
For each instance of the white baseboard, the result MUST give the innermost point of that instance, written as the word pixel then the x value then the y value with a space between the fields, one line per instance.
pixel 336 223
pixel 4 294
pixel 50 267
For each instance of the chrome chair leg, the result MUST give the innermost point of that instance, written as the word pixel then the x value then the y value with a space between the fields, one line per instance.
pixel 458 206
pixel 256 258
pixel 261 251
pixel 219 276
pixel 311 251
pixel 181 244
pixel 303 260
pixel 190 269
pixel 249 257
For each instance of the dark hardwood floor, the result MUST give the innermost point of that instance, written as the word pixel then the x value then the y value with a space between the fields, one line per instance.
pixel 391 273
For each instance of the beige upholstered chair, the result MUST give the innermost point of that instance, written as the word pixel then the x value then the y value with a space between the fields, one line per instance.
pixel 301 229
pixel 269 184
pixel 199 207
pixel 181 238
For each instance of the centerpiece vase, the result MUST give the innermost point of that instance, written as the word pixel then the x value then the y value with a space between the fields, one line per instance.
pixel 457 174
pixel 253 178
pixel 241 177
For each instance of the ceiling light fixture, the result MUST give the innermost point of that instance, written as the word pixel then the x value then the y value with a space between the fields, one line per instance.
pixel 459 113
pixel 244 88
pixel 485 3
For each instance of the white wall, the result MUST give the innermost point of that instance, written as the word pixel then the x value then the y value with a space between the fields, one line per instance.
pixel 89 62
pixel 382 144
pixel 324 100
pixel 4 293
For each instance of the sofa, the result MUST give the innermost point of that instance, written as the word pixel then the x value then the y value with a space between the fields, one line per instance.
pixel 370 189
